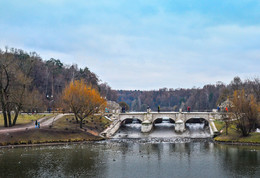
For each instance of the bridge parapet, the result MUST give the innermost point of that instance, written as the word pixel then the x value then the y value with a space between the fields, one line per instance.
pixel 205 115
pixel 152 116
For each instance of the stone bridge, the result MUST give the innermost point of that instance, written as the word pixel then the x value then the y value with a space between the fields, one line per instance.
pixel 149 118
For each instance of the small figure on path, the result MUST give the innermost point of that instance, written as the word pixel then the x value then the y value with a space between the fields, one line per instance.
pixel 159 108
pixel 188 108
pixel 39 125
pixel 36 123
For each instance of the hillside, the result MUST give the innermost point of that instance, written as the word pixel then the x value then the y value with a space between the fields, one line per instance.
pixel 199 99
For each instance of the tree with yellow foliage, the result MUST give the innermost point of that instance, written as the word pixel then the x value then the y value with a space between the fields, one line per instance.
pixel 83 100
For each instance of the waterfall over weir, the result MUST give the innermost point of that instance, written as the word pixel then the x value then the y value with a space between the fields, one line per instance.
pixel 165 129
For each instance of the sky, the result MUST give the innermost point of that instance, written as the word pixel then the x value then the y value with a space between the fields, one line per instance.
pixel 141 44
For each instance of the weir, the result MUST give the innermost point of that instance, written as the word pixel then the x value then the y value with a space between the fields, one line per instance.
pixel 148 119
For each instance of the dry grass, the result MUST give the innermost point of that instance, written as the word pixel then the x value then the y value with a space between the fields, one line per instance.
pixel 63 130
pixel 92 123
pixel 35 136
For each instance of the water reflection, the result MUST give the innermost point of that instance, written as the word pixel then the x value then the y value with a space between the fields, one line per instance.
pixel 242 160
pixel 131 158
pixel 58 161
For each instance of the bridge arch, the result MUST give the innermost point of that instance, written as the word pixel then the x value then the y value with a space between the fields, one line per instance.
pixel 131 120
pixel 197 120
pixel 160 120
pixel 172 117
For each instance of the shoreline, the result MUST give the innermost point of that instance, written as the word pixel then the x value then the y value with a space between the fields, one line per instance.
pixel 237 143
pixel 49 143
pixel 57 143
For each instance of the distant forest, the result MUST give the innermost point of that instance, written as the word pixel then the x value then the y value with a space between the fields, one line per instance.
pixel 46 79
pixel 199 99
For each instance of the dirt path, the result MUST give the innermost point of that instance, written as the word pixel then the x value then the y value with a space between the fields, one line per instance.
pixel 93 132
pixel 43 123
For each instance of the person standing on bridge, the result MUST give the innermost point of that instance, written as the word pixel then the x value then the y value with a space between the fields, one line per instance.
pixel 226 109
pixel 148 109
pixel 123 109
pixel 188 108
pixel 159 108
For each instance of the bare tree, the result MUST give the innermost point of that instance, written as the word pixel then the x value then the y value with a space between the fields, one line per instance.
pixel 227 118
pixel 245 110
pixel 13 82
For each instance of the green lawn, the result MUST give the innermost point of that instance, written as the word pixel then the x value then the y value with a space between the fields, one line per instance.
pixel 234 135
pixel 219 124
pixel 24 118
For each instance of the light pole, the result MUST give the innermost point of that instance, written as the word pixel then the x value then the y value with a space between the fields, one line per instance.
pixel 51 100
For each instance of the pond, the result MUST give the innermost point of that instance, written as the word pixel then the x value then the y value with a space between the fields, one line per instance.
pixel 148 156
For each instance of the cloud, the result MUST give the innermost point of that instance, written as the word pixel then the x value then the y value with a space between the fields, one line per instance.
pixel 141 44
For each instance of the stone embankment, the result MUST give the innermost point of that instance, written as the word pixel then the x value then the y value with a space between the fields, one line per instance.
pixel 212 128
pixel 112 129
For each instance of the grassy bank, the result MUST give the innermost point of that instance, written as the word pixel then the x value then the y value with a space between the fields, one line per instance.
pixel 66 129
pixel 234 136
pixel 25 118
pixel 36 136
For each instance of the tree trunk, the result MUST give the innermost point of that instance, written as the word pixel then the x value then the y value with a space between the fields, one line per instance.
pixel 5 118
pixel 4 115
pixel 81 120
pixel 244 131
pixel 226 128
pixel 18 106
pixel 16 116
pixel 75 113
pixel 9 118
pixel 77 119
pixel 3 109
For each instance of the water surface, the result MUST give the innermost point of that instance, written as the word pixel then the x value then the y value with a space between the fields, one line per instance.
pixel 159 154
